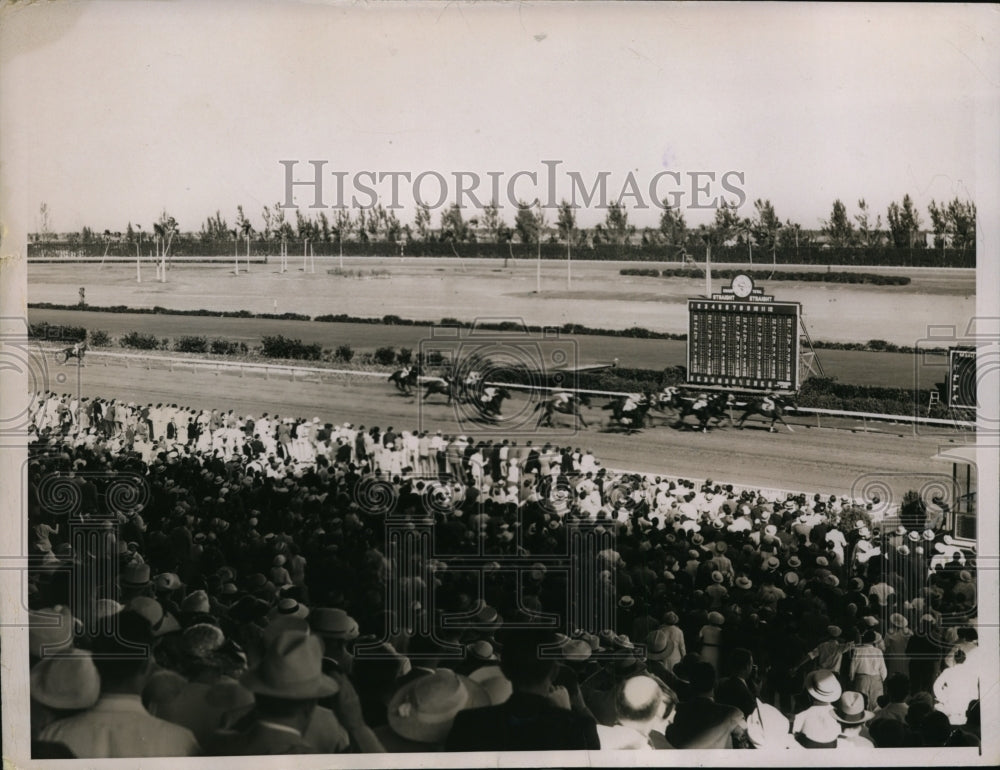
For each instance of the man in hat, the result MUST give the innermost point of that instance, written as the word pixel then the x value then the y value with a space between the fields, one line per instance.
pixel 850 711
pixel 118 725
pixel 817 726
pixel 286 685
pixel 701 723
pixel 536 717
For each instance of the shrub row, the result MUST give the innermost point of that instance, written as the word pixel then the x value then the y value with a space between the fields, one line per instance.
pixel 56 332
pixel 796 275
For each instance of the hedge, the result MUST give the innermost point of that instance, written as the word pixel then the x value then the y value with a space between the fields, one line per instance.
pixel 284 347
pixel 829 276
pixel 57 332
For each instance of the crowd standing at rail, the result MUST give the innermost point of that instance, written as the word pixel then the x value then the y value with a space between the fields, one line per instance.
pixel 210 583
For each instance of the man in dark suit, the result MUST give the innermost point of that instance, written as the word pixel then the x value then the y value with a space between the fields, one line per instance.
pixel 735 690
pixel 701 723
pixel 536 717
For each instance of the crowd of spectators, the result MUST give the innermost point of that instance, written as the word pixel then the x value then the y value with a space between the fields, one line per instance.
pixel 214 584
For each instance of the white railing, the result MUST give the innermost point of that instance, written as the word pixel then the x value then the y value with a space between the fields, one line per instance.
pixel 244 366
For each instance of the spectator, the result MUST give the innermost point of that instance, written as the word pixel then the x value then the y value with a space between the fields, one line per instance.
pixel 701 723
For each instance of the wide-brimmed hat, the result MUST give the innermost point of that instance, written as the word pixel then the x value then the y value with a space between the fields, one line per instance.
pixel 289 607
pixel 896 620
pixel 772 562
pixel 334 623
pixel 135 576
pixel 770 530
pixel 201 640
pixel 66 681
pixel 900 530
pixel 717 576
pixel 626 602
pixel 498 687
pixel 743 582
pixel 659 645
pixel 480 650
pixel 850 709
pixel 794 561
pixel 928 534
pixel 292 668
pixel 51 630
pixel 823 685
pixel 167 581
pixel 196 601
pixel 914 536
pixel 423 709
pixel 791 578
pixel 160 621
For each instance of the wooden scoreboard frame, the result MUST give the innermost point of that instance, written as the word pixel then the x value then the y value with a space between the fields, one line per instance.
pixel 959 394
pixel 757 357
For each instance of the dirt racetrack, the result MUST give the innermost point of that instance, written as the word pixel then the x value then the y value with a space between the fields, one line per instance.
pixel 825 460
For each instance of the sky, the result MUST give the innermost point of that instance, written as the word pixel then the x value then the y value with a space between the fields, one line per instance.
pixel 129 109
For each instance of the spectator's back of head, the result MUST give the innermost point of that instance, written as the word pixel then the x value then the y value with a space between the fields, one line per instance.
pixel 887 733
pixel 521 660
pixel 897 687
pixel 702 677
pixel 124 652
pixel 642 699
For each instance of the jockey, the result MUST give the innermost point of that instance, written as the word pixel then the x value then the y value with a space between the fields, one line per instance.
pixel 701 402
pixel 406 372
pixel 488 394
pixel 562 398
pixel 767 404
pixel 632 401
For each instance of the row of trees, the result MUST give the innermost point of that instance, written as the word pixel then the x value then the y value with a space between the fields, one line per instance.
pixel 953 225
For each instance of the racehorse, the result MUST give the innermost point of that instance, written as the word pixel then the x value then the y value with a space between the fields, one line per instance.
pixel 670 398
pixel 771 405
pixel 629 411
pixel 406 378
pixel 444 386
pixel 562 402
pixel 705 408
pixel 490 401
pixel 73 351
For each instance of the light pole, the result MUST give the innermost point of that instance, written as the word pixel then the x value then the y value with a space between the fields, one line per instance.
pixel 538 262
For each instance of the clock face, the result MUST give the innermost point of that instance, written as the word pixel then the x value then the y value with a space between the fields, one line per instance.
pixel 742 285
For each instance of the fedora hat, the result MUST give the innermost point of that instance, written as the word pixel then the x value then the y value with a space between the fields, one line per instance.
pixel 896 620
pixel 201 640
pixel 928 534
pixel 480 650
pixel 914 536
pixel 576 650
pixel 850 709
pixel 160 621
pixel 671 618
pixel 716 618
pixel 51 630
pixel 770 530
pixel 497 686
pixel 772 562
pixel 791 578
pixel 823 685
pixel 794 562
pixel 659 646
pixel 292 668
pixel 334 623
pixel 167 581
pixel 196 601
pixel 717 576
pixel 900 530
pixel 626 602
pixel 423 709
pixel 66 681
pixel 135 576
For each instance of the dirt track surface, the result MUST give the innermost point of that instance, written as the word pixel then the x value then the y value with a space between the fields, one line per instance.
pixel 825 460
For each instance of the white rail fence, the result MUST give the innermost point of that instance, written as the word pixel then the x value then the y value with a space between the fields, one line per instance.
pixel 305 372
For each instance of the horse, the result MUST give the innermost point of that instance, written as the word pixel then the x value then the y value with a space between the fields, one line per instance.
pixel 444 386
pixel 404 379
pixel 771 405
pixel 490 401
pixel 629 411
pixel 562 402
pixel 76 351
pixel 705 408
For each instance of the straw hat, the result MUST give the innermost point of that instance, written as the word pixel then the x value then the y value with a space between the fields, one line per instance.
pixel 716 618
pixel 160 621
pixel 850 709
pixel 717 576
pixel 135 576
pixel 66 681
pixel 896 620
pixel 334 623
pixel 292 668
pixel 497 686
pixel 201 640
pixel 196 601
pixel 794 561
pixel 744 582
pixel 423 709
pixel 928 535
pixel 658 645
pixel 50 630
pixel 289 607
pixel 823 685
pixel 480 650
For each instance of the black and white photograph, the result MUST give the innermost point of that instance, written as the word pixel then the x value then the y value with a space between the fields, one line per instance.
pixel 495 384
